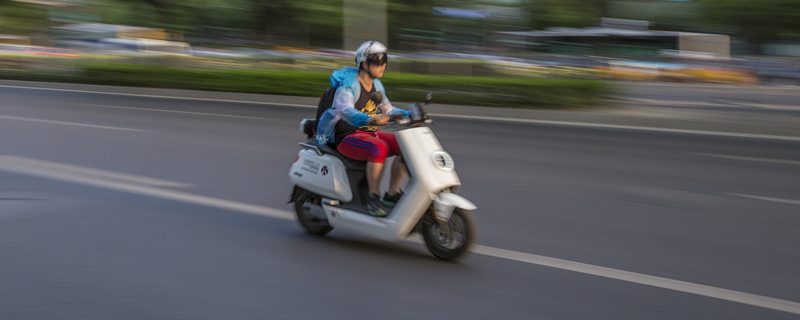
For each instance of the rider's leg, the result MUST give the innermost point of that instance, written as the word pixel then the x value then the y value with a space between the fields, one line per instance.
pixel 374 170
pixel 367 147
pixel 399 169
pixel 399 173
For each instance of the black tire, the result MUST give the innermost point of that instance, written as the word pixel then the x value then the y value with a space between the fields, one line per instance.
pixel 455 246
pixel 309 222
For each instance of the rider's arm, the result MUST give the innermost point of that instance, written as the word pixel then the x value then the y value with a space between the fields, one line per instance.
pixel 343 104
pixel 386 107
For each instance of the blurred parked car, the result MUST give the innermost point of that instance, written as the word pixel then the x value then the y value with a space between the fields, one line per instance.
pixel 144 46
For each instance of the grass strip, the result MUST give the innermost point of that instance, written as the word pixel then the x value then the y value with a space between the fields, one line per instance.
pixel 458 90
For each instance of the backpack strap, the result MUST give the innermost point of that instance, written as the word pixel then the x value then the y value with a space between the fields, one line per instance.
pixel 325 101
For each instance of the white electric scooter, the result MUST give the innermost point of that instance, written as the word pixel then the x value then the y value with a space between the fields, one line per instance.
pixel 330 191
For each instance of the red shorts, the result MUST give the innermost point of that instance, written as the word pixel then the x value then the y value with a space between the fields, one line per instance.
pixel 369 146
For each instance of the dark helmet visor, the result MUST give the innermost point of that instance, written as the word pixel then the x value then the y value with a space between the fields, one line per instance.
pixel 377 59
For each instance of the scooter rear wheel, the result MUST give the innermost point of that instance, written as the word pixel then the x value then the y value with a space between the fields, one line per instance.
pixel 452 245
pixel 308 221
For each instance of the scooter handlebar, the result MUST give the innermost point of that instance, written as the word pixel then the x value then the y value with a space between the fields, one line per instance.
pixel 417 115
pixel 402 120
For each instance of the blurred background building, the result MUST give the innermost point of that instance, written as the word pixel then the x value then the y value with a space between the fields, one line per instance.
pixel 754 27
pixel 566 33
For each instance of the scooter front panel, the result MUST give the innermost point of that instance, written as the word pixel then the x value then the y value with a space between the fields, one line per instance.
pixel 427 159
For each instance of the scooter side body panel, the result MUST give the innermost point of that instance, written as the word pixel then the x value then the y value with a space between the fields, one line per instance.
pixel 431 170
pixel 380 228
pixel 394 227
pixel 324 175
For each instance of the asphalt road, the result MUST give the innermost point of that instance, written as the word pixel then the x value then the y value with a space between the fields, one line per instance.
pixel 712 96
pixel 145 207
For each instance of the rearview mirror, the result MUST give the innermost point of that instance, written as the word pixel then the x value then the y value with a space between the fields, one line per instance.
pixel 428 99
pixel 417 113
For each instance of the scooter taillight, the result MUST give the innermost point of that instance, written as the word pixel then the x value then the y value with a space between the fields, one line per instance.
pixel 295 159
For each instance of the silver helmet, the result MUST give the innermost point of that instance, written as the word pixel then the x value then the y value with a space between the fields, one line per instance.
pixel 372 52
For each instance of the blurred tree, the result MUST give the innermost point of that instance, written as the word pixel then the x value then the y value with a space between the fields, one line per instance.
pixel 177 16
pixel 566 13
pixel 756 22
pixel 276 18
pixel 409 23
pixel 312 23
pixel 324 18
pixel 22 18
pixel 128 13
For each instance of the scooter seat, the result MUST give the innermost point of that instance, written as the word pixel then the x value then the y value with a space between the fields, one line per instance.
pixel 350 164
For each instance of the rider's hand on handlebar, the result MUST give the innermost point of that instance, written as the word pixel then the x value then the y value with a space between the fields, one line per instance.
pixel 378 120
pixel 396 117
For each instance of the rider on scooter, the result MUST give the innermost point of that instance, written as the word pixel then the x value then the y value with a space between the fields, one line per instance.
pixel 351 124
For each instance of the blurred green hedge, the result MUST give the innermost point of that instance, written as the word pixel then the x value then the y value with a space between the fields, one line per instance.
pixel 460 90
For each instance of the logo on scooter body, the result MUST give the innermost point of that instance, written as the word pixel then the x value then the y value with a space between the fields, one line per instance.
pixel 310 166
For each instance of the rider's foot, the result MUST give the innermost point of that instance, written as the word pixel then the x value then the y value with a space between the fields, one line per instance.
pixel 391 201
pixel 376 207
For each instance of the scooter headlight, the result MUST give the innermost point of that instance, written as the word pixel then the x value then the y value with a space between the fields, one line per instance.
pixel 443 160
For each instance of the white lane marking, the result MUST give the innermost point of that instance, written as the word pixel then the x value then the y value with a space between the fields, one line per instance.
pixel 174 111
pixel 28 164
pixel 747 158
pixel 162 97
pixel 682 286
pixel 659 282
pixel 70 123
pixel 687 103
pixel 778 200
pixel 560 123
pixel 624 127
pixel 673 102
pixel 12 164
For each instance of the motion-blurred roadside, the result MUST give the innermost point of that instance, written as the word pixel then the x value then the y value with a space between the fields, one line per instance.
pixel 668 68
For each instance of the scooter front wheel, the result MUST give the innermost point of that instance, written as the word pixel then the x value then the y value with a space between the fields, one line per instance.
pixel 307 220
pixel 450 240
